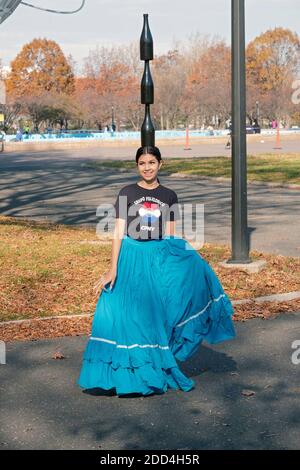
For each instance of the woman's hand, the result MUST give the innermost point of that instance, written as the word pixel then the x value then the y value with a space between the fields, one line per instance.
pixel 170 229
pixel 108 276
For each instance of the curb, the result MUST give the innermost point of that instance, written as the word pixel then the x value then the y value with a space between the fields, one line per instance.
pixel 57 317
pixel 270 298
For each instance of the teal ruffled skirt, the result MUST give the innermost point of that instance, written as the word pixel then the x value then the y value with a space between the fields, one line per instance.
pixel 165 301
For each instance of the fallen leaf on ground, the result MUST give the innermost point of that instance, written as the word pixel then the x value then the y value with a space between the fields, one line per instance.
pixel 58 355
pixel 248 393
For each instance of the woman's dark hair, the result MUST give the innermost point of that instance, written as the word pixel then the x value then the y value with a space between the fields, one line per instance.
pixel 150 150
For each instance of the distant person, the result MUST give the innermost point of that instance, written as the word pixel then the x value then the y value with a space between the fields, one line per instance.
pixel 256 126
pixel 2 139
pixel 27 131
pixel 19 136
pixel 210 130
pixel 228 144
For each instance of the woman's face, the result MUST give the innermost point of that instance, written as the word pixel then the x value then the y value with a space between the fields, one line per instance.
pixel 148 167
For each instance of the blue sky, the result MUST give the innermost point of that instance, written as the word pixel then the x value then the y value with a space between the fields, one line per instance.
pixel 106 22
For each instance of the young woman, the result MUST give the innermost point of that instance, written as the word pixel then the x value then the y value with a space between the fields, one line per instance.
pixel 158 300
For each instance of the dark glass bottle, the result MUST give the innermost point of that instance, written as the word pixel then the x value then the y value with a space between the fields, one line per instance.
pixel 147 130
pixel 146 41
pixel 147 87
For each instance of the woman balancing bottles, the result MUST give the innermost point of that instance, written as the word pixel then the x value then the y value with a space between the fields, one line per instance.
pixel 147 87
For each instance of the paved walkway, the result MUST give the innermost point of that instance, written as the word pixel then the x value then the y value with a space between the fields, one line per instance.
pixel 59 186
pixel 43 408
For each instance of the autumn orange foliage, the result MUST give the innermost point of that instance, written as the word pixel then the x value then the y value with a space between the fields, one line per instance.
pixel 40 67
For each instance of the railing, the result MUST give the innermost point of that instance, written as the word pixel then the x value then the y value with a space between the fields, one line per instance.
pixel 85 135
pixel 106 135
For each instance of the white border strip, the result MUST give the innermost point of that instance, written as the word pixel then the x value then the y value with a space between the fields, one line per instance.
pixel 199 313
pixel 124 346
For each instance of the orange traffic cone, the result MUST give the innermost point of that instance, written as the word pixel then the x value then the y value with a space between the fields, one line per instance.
pixel 278 146
pixel 187 146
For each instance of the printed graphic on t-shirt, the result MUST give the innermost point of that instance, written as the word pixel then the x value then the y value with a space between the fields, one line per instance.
pixel 149 212
pixel 146 214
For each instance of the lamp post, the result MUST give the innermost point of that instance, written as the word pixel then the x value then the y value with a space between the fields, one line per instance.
pixel 7 7
pixel 113 125
pixel 257 110
pixel 240 237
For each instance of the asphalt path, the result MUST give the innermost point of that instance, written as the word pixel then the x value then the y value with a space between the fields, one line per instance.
pixel 246 397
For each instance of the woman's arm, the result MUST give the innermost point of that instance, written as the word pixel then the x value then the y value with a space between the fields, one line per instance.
pixel 116 242
pixel 111 274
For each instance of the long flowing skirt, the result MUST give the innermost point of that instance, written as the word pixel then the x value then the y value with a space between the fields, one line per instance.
pixel 165 301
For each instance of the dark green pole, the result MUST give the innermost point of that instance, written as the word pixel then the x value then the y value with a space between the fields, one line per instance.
pixel 240 237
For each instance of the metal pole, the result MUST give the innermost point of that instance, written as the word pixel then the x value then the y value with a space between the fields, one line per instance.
pixel 240 237
pixel 257 111
pixel 112 119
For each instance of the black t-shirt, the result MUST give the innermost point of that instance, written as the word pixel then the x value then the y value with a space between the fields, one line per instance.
pixel 146 210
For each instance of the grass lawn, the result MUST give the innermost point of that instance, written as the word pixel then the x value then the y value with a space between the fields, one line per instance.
pixel 282 168
pixel 49 269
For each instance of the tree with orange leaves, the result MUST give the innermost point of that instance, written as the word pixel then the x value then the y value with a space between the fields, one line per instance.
pixel 167 108
pixel 208 87
pixel 273 61
pixel 40 67
pixel 109 80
